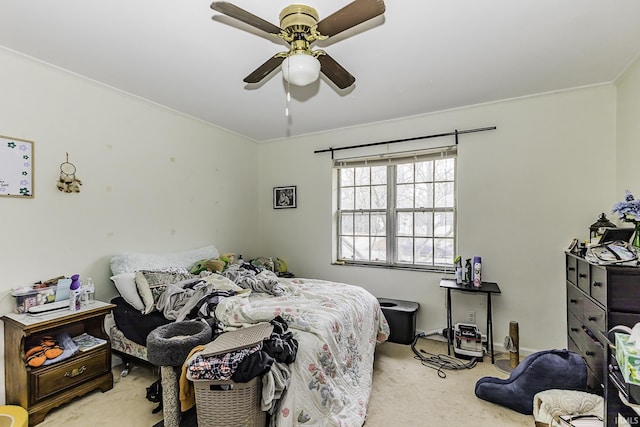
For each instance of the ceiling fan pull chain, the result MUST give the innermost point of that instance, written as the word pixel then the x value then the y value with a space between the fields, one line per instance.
pixel 288 99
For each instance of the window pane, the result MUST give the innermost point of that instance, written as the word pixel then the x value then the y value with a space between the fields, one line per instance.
pixel 379 197
pixel 378 224
pixel 424 251
pixel 362 224
pixel 424 224
pixel 443 251
pixel 404 196
pixel 424 195
pixel 443 223
pixel 362 176
pixel 444 170
pixel 346 177
pixel 404 250
pixel 363 198
pixel 404 173
pixel 421 203
pixel 379 175
pixel 347 198
pixel 346 223
pixel 346 247
pixel 362 248
pixel 424 171
pixel 378 249
pixel 444 195
pixel 404 227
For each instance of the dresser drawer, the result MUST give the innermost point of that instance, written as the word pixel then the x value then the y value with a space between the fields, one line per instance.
pixel 583 276
pixel 572 269
pixel 55 378
pixel 618 318
pixel 598 289
pixel 575 301
pixel 623 289
pixel 594 356
pixel 575 328
pixel 593 317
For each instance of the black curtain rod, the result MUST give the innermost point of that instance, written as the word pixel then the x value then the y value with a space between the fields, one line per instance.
pixel 437 135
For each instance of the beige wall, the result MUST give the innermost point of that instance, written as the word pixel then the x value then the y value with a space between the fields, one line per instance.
pixel 524 190
pixel 153 180
pixel 628 132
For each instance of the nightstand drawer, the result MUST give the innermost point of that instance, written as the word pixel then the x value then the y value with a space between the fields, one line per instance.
pixel 52 379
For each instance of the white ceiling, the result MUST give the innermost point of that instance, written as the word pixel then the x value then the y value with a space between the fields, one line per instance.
pixel 420 56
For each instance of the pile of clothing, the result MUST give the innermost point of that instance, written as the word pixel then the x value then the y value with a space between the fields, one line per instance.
pixel 269 359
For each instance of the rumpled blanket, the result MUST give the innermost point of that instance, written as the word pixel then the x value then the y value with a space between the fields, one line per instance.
pixel 179 299
pixel 257 279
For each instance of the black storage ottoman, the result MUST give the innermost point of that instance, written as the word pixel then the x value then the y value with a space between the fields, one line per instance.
pixel 401 316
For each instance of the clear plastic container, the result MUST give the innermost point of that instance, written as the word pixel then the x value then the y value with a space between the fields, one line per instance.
pixel 90 292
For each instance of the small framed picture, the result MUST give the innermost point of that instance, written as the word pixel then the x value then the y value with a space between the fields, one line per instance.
pixel 284 197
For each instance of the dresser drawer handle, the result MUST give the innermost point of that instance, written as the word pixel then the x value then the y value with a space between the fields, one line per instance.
pixel 573 301
pixel 572 269
pixel 75 372
pixel 574 329
pixel 589 353
pixel 592 318
pixel 582 275
pixel 597 284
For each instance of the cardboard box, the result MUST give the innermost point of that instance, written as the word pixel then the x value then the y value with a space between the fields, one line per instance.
pixel 628 358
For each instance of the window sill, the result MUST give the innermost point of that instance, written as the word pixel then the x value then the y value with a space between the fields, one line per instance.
pixel 443 269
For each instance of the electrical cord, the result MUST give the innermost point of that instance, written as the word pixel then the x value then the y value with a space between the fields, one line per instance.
pixel 440 362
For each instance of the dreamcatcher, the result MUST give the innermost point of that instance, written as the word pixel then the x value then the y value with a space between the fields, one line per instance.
pixel 68 181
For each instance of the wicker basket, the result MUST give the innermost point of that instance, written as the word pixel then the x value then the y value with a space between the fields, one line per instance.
pixel 229 404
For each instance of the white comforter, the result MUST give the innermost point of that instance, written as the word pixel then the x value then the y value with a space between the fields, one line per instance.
pixel 337 327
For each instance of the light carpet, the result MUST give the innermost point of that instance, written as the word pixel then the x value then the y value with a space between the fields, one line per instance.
pixel 404 393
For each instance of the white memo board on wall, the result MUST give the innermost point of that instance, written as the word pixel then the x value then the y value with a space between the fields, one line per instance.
pixel 16 167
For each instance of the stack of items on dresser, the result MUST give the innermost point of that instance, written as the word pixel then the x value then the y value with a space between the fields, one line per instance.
pixel 264 350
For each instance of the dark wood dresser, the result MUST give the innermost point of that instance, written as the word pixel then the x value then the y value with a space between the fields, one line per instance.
pixel 599 298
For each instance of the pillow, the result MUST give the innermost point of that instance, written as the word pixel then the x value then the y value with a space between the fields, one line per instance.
pixel 126 286
pixel 152 283
pixel 131 262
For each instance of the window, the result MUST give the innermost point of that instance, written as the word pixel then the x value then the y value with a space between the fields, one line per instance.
pixel 397 211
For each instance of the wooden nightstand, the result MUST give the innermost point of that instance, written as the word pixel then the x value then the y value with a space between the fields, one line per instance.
pixel 41 389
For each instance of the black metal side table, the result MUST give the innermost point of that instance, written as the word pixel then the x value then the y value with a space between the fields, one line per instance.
pixel 487 288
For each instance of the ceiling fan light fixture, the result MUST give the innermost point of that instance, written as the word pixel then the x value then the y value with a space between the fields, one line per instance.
pixel 301 69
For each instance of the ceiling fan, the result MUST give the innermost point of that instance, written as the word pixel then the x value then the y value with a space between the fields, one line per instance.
pixel 300 27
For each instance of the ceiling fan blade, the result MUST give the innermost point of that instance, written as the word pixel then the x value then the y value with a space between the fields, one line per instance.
pixel 264 70
pixel 349 16
pixel 244 16
pixel 335 72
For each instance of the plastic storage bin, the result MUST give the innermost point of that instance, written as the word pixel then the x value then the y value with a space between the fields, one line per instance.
pixel 26 298
pixel 401 316
pixel 229 404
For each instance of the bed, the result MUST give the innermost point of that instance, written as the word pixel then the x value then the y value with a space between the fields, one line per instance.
pixel 337 327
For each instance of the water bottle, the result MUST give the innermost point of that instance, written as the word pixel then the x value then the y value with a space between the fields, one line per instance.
pixel 90 292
